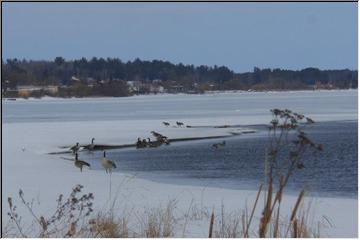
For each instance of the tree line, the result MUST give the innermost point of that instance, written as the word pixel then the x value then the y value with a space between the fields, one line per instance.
pixel 115 72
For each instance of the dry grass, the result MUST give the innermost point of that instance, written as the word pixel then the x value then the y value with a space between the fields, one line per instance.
pixel 106 226
pixel 228 225
pixel 158 222
pixel 238 224
pixel 162 222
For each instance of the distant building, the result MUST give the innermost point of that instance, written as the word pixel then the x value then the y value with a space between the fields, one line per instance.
pixel 27 90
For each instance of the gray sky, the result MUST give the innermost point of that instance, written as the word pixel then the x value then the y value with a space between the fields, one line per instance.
pixel 237 35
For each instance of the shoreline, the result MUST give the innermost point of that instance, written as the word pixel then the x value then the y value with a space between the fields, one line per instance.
pixel 48 98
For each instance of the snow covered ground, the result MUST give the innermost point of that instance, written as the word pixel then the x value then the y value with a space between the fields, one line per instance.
pixel 27 166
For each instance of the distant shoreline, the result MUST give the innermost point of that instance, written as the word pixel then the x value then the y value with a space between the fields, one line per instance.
pixel 176 94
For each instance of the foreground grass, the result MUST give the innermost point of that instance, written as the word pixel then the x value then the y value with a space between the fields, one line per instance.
pixel 74 217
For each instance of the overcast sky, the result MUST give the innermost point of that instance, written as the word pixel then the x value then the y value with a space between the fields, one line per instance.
pixel 237 35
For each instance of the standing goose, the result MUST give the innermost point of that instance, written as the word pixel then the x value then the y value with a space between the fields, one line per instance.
pixel 79 163
pixel 91 146
pixel 107 164
pixel 139 143
pixel 179 124
pixel 75 148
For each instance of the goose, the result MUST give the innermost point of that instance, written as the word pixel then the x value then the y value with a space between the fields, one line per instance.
pixel 79 163
pixel 156 134
pixel 75 148
pixel 154 144
pixel 144 143
pixel 159 137
pixel 163 139
pixel 179 124
pixel 91 146
pixel 217 145
pixel 141 143
pixel 166 141
pixel 107 164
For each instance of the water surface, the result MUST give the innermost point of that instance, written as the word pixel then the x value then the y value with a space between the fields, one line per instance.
pixel 240 164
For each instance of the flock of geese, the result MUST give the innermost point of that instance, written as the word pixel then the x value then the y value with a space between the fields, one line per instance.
pixel 107 164
pixel 179 124
pixel 160 140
